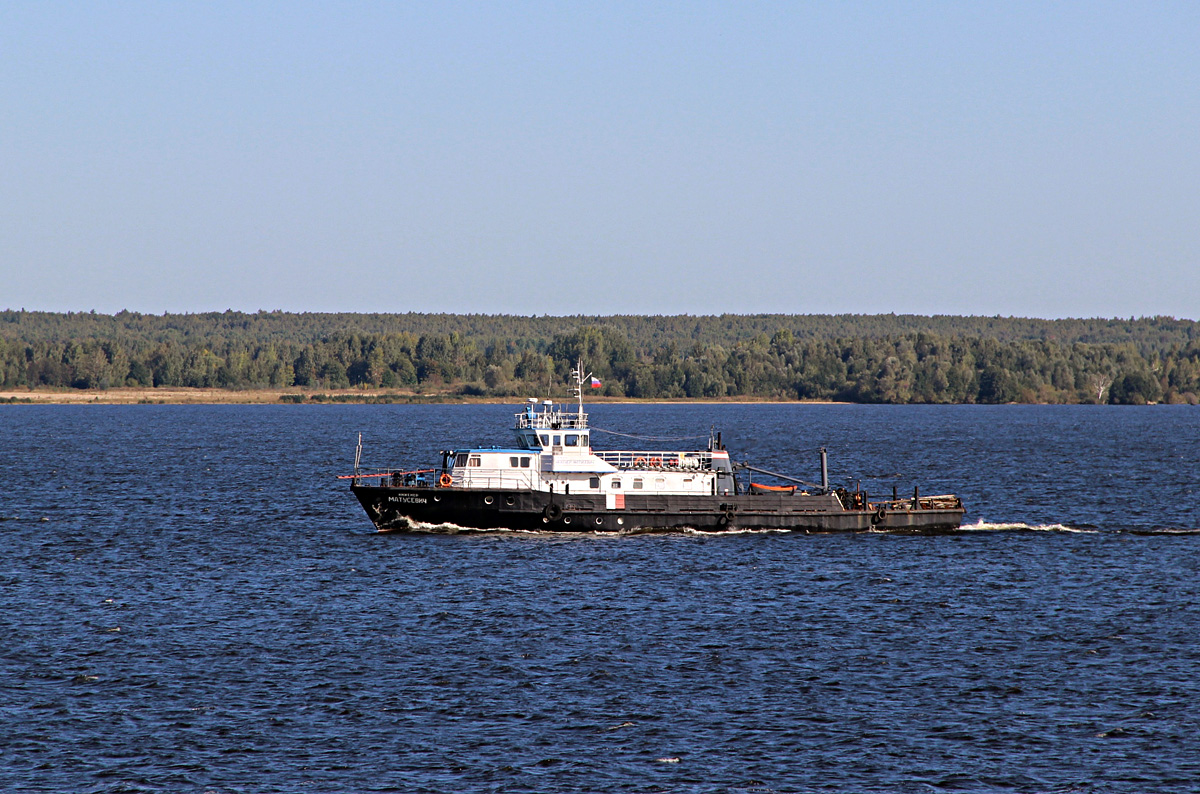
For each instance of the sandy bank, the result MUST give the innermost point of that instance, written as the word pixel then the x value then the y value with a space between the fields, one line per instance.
pixel 181 396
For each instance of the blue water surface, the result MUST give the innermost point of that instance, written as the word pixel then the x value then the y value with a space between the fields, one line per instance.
pixel 191 601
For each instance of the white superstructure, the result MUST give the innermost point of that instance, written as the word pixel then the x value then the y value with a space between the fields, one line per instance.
pixel 554 453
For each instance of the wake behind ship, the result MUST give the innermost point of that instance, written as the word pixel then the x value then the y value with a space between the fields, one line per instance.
pixel 553 480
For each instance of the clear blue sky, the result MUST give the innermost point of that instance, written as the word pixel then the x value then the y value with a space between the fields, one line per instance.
pixel 1032 159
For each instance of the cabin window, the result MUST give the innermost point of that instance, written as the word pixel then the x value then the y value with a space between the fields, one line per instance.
pixel 512 462
pixel 616 484
pixel 524 463
pixel 545 440
pixel 637 483
pixel 557 441
pixel 594 483
pixel 660 482
pixel 474 461
pixel 572 440
pixel 583 440
pixel 460 459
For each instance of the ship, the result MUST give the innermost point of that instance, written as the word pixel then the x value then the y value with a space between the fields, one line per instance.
pixel 554 480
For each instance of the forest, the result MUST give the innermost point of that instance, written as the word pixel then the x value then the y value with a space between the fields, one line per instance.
pixel 855 358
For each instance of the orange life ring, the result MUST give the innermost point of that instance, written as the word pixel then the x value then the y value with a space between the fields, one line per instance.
pixel 655 461
pixel 639 461
pixel 445 480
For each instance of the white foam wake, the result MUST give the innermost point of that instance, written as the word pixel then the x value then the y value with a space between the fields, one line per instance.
pixel 982 525
pixel 734 531
pixel 1017 526
pixel 454 529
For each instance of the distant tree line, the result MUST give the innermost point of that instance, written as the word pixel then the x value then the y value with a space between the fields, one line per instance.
pixel 876 358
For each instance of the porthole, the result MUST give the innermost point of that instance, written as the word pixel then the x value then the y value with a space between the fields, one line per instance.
pixel 487 500
pixel 545 520
pixel 510 500
pixel 567 520
pixel 437 498
pixel 620 522
pixel 599 520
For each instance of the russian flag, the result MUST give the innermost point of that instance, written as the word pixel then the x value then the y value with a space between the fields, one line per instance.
pixel 595 383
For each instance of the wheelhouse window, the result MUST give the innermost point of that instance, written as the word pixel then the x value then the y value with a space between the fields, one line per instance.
pixel 583 440
pixel 513 462
pixel 524 463
pixel 572 439
pixel 460 459
pixel 558 441
pixel 545 439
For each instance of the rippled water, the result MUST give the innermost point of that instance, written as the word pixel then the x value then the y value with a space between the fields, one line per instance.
pixel 191 601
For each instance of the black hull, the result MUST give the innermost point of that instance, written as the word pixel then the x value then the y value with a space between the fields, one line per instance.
pixel 399 509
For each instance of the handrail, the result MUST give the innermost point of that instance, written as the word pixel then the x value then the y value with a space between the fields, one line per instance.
pixel 672 459
pixel 555 420
pixel 491 477
pixel 389 473
pixel 363 476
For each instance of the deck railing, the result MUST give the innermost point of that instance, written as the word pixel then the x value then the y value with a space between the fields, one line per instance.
pixel 480 477
pixel 552 420
pixel 656 460
pixel 410 478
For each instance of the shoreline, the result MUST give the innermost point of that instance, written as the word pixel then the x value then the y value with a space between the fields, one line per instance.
pixel 186 396
pixel 196 396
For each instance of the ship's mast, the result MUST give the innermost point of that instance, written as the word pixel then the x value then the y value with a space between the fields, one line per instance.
pixel 577 374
